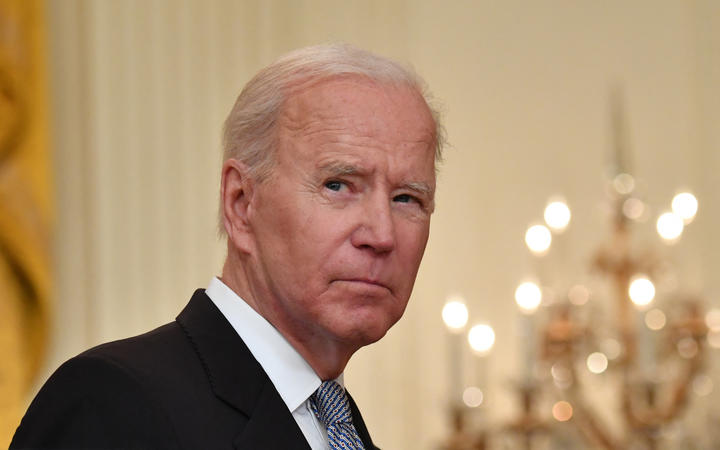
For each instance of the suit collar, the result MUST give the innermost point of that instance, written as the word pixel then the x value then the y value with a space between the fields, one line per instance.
pixel 241 382
pixel 237 379
pixel 359 424
pixel 291 375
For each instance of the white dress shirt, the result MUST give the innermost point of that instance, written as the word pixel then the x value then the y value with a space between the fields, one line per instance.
pixel 292 376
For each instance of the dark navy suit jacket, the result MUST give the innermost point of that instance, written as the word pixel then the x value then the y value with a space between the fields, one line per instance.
pixel 190 384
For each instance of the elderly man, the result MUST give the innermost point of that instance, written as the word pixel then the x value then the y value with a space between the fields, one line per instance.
pixel 327 190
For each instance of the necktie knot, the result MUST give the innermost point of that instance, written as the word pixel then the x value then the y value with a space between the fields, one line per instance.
pixel 331 405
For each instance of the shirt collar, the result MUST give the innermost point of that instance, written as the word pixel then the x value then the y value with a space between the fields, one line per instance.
pixel 292 376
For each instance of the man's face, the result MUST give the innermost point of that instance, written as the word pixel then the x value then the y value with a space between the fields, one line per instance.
pixel 340 226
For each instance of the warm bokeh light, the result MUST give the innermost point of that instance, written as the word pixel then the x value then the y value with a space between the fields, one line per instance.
pixel 538 239
pixel 481 338
pixel 455 314
pixel 702 385
pixel 597 362
pixel 557 215
pixel 473 396
pixel 562 411
pixel 685 205
pixel 655 319
pixel 633 208
pixel 578 295
pixel 562 376
pixel 712 319
pixel 642 290
pixel 670 226
pixel 624 183
pixel 713 338
pixel 528 296
pixel 687 348
pixel 612 348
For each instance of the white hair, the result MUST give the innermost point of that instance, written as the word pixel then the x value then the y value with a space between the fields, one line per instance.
pixel 249 131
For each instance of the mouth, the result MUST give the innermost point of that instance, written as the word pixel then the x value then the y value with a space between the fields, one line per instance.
pixel 364 282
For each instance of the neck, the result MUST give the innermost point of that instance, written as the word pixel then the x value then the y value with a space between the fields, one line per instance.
pixel 327 359
pixel 326 356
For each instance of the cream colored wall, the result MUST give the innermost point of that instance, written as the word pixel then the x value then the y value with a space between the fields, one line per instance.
pixel 140 90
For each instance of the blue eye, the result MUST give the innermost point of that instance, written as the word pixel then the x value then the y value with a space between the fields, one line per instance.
pixel 334 185
pixel 403 198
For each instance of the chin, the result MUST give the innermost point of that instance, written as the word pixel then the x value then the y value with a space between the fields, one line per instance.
pixel 361 338
pixel 368 329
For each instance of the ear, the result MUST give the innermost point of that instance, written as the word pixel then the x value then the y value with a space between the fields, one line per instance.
pixel 236 190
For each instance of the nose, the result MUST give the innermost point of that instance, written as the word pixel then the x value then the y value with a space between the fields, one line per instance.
pixel 376 230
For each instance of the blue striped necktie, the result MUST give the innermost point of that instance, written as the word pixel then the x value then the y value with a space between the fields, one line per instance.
pixel 331 405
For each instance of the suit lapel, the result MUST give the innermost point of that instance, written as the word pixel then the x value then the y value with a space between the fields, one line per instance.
pixel 359 424
pixel 269 428
pixel 238 379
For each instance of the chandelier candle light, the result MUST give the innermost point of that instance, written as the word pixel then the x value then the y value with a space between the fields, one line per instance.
pixel 528 297
pixel 464 397
pixel 455 316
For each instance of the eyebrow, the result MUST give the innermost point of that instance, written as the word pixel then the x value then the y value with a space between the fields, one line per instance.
pixel 419 187
pixel 341 168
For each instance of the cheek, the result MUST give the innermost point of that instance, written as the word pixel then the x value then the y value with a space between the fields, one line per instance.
pixel 286 225
pixel 312 250
pixel 326 233
pixel 412 240
pixel 412 248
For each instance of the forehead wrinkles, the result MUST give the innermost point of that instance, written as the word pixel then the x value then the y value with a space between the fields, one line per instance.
pixel 314 122
pixel 321 130
pixel 352 109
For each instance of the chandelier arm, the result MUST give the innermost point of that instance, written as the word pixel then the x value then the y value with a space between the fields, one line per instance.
pixel 593 428
pixel 680 390
pixel 633 417
pixel 587 419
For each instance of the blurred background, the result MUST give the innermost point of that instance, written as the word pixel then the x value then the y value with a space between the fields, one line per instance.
pixel 110 122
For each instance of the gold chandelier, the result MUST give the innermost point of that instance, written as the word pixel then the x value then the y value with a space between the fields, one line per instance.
pixel 650 358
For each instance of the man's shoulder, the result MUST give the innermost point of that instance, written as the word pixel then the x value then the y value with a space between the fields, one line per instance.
pixel 139 364
pixel 145 389
pixel 159 363
pixel 163 349
pixel 106 397
pixel 159 347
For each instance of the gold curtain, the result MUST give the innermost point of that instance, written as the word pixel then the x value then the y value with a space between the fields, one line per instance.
pixel 25 206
